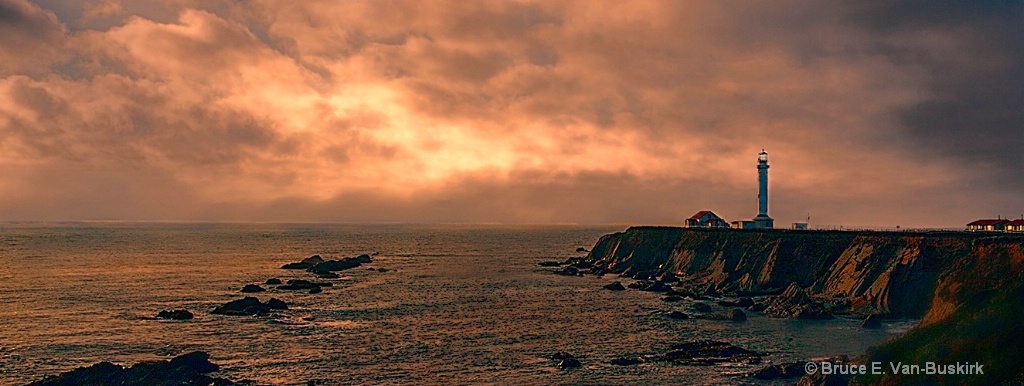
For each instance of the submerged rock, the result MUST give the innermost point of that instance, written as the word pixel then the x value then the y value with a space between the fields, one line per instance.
pixel 327 274
pixel 251 288
pixel 780 371
pixel 741 302
pixel 187 369
pixel 733 315
pixel 700 307
pixel 569 271
pixel 175 314
pixel 672 298
pixel 706 352
pixel 550 263
pixel 561 355
pixel 872 322
pixel 678 315
pixel 626 361
pixel 614 286
pixel 299 285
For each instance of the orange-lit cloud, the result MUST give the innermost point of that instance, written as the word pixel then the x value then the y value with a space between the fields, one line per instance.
pixel 514 111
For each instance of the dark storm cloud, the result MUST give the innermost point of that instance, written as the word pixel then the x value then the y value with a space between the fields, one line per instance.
pixel 974 113
pixel 32 38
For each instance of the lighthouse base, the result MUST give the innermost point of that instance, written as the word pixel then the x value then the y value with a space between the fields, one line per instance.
pixel 762 221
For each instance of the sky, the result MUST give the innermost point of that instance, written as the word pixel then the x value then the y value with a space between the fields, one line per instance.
pixel 542 112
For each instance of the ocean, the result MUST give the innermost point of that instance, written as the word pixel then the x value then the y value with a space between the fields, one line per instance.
pixel 457 304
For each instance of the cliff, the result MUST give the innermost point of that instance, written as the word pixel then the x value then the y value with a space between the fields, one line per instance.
pixel 968 288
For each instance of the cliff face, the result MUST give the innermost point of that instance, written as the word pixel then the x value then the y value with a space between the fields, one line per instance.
pixel 967 287
pixel 877 272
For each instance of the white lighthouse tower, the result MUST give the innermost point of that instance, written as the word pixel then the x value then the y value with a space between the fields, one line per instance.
pixel 762 220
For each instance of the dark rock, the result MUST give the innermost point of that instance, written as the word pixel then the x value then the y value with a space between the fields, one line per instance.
pixel 578 262
pixel 298 285
pixel 614 286
pixel 813 312
pixel 780 371
pixel 625 361
pixel 703 352
pixel 678 315
pixel 569 271
pixel 550 263
pixel 175 314
pixel 187 369
pixel 581 249
pixel 363 259
pixel 757 307
pixel 700 307
pixel 250 288
pixel 733 315
pixel 315 290
pixel 306 263
pixel 671 299
pixel 741 302
pixel 273 281
pixel 736 315
pixel 668 277
pixel 568 363
pixel 650 285
pixel 246 306
pixel 276 304
pixel 337 265
pixel 561 355
pixel 382 269
pixel 872 321
pixel 326 274
pixel 249 306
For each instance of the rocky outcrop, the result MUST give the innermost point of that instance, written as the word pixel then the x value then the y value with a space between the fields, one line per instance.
pixel 708 352
pixel 175 315
pixel 967 287
pixel 249 306
pixel 186 369
pixel 890 273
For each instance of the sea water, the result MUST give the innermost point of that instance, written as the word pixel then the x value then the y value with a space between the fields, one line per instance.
pixel 457 304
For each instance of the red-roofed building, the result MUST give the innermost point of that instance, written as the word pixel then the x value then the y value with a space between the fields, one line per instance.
pixel 706 219
pixel 988 225
pixel 1015 226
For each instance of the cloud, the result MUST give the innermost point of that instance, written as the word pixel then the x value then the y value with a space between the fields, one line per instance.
pixel 515 111
pixel 33 38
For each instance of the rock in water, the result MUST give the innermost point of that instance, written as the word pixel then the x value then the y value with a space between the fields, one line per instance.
pixel 175 314
pixel 779 371
pixel 561 355
pixel 624 361
pixel 701 307
pixel 678 315
pixel 187 369
pixel 273 281
pixel 550 263
pixel 249 306
pixel 615 286
pixel 298 285
pixel 736 315
pixel 251 288
pixel 704 352
pixel 275 304
pixel 568 363
pixel 306 263
pixel 872 321
pixel 741 302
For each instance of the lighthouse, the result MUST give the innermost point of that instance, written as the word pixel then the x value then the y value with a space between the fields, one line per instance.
pixel 762 220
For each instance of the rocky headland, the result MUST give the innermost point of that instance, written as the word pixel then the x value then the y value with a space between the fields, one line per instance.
pixel 967 288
